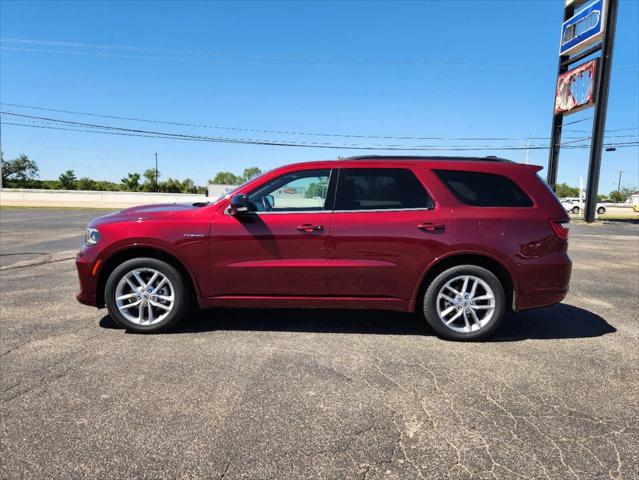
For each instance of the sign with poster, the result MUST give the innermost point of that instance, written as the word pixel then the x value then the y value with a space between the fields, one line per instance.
pixel 576 88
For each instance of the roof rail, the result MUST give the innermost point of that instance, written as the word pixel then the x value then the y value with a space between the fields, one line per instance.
pixel 490 158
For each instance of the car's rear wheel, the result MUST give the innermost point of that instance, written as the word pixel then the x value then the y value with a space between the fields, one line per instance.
pixel 146 295
pixel 466 302
pixel 601 210
pixel 575 210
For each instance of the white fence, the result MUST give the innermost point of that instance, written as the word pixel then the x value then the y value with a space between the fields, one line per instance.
pixel 89 199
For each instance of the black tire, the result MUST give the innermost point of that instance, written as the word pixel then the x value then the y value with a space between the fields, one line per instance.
pixel 432 292
pixel 601 210
pixel 181 293
pixel 575 210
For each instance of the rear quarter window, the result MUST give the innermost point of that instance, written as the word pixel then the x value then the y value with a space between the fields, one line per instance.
pixel 480 189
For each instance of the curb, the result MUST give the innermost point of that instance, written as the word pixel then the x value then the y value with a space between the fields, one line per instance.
pixel 43 259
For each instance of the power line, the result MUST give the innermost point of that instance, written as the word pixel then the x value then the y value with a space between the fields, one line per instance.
pixel 260 141
pixel 132 52
pixel 170 136
pixel 239 129
pixel 282 132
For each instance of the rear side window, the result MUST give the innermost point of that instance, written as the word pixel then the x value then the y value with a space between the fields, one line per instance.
pixel 484 189
pixel 380 189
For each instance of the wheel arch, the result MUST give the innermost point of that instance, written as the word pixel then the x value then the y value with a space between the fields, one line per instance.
pixel 489 263
pixel 116 258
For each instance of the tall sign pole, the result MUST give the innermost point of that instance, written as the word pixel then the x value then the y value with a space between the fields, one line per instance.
pixel 601 108
pixel 586 30
pixel 557 119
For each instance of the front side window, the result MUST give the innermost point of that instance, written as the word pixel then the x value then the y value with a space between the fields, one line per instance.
pixel 380 189
pixel 301 191
pixel 480 189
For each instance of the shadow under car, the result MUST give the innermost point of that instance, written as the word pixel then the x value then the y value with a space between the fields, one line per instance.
pixel 561 321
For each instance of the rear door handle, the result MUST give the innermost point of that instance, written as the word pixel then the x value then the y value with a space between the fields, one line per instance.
pixel 431 227
pixel 309 227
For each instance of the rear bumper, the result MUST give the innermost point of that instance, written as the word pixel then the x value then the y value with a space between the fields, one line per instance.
pixel 544 281
pixel 526 302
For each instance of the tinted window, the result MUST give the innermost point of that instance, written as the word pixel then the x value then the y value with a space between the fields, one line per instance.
pixel 304 190
pixel 379 189
pixel 484 189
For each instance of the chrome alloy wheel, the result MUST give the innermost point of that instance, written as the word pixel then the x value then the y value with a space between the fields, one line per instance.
pixel 144 296
pixel 465 304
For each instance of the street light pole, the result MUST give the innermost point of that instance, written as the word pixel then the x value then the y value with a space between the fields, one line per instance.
pixel 157 185
pixel 619 183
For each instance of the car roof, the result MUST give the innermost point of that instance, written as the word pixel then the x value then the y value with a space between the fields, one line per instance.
pixel 489 158
pixel 443 161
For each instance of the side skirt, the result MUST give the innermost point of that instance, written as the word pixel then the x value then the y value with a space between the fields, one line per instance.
pixel 369 303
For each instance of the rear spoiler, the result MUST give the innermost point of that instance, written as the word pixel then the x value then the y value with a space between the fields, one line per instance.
pixel 534 168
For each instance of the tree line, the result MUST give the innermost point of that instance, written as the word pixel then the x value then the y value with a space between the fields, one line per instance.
pixel 23 172
pixel 564 190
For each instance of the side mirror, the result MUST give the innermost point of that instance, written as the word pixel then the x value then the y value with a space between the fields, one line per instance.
pixel 239 204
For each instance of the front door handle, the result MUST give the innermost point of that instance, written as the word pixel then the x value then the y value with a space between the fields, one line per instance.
pixel 431 227
pixel 309 227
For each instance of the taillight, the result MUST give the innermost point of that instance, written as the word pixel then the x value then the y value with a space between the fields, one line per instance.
pixel 559 229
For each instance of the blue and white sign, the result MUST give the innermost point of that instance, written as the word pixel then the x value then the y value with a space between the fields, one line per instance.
pixel 583 29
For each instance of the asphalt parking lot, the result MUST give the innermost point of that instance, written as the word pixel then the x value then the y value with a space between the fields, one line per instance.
pixel 314 394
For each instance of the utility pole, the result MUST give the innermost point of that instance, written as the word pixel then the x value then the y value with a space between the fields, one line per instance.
pixel 157 185
pixel 619 183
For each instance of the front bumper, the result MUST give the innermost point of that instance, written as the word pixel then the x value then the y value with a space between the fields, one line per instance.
pixel 85 263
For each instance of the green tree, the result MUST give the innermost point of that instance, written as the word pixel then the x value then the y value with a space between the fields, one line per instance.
pixel 171 186
pixel 67 180
pixel 102 185
pixel 316 190
pixel 150 180
pixel 85 183
pixel 188 186
pixel 622 195
pixel 226 178
pixel 19 172
pixel 131 182
pixel 564 190
pixel 250 173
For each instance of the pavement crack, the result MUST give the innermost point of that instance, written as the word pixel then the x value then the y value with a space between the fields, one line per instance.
pixel 556 446
pixel 226 468
pixel 46 378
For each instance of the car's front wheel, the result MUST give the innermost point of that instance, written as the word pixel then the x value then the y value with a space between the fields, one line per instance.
pixel 146 295
pixel 466 302
pixel 575 210
pixel 601 210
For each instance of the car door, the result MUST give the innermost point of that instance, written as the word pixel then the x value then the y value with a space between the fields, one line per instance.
pixel 386 229
pixel 279 247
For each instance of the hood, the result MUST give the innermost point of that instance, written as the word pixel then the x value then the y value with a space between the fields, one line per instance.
pixel 157 211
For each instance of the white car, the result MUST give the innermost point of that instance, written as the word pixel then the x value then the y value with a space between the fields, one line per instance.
pixel 575 206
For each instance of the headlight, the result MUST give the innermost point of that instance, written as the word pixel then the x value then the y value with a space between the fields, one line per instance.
pixel 91 236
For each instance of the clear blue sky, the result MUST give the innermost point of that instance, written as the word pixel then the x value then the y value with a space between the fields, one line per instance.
pixel 441 69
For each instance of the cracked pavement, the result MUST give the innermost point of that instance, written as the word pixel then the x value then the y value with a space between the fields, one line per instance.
pixel 316 394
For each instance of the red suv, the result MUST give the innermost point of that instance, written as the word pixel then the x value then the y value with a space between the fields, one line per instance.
pixel 460 239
